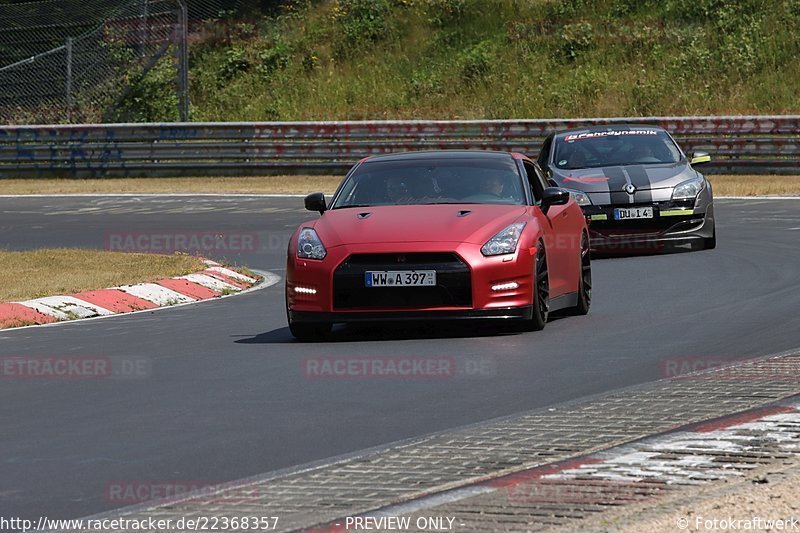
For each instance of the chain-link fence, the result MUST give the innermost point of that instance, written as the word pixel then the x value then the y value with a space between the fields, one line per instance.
pixel 70 61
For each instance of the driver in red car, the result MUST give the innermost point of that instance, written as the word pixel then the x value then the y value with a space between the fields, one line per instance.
pixel 493 185
pixel 397 190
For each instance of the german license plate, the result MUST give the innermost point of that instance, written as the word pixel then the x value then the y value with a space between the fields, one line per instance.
pixel 400 278
pixel 627 213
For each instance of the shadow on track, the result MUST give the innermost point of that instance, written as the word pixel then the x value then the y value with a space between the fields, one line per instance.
pixel 646 250
pixel 393 331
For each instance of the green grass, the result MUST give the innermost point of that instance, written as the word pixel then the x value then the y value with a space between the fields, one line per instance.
pixel 58 271
pixel 386 59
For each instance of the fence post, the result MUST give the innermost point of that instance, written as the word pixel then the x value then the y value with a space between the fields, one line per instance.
pixel 183 61
pixel 143 33
pixel 69 79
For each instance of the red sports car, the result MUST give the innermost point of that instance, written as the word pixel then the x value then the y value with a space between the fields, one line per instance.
pixel 438 235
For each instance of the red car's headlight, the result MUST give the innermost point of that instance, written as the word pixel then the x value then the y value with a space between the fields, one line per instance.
pixel 504 242
pixel 309 245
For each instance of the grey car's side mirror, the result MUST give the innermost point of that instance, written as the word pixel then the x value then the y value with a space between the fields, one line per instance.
pixel 699 158
pixel 316 202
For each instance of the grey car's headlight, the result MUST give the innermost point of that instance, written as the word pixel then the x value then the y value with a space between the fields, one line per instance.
pixel 580 197
pixel 504 242
pixel 688 189
pixel 309 246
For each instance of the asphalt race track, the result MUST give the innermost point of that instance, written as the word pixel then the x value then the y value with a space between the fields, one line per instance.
pixel 227 393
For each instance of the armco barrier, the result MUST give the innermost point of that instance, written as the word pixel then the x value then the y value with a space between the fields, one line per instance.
pixel 738 144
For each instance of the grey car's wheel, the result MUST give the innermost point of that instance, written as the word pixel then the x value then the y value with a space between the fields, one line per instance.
pixel 541 291
pixel 585 280
pixel 709 243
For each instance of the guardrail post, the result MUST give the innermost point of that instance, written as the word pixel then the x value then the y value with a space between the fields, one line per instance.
pixel 183 60
pixel 69 79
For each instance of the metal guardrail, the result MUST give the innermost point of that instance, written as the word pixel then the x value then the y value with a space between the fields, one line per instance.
pixel 738 144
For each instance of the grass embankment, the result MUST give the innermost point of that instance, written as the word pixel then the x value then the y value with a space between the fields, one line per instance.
pixel 755 185
pixel 254 185
pixel 386 59
pixel 723 185
pixel 57 271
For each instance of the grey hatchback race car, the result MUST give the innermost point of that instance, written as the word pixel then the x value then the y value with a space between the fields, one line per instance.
pixel 635 185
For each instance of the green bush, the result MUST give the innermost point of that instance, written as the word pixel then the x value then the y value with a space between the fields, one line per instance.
pixel 310 62
pixel 425 82
pixel 444 12
pixel 576 38
pixel 476 62
pixel 275 58
pixel 361 22
pixel 234 64
pixel 152 98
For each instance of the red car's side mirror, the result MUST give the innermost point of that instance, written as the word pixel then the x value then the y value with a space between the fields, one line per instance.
pixel 316 202
pixel 553 196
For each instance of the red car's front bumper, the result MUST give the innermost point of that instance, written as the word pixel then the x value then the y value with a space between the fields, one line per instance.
pixel 333 290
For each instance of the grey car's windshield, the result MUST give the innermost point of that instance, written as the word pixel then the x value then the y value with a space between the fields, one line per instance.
pixel 611 148
pixel 449 180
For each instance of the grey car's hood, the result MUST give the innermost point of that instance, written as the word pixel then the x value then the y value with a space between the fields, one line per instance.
pixel 614 179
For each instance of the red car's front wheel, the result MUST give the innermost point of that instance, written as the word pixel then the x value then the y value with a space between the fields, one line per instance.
pixel 584 280
pixel 307 331
pixel 541 292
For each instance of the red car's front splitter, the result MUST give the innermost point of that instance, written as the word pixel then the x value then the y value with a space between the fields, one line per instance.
pixel 522 313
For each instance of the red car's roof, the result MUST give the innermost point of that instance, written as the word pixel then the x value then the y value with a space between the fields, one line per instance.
pixel 439 154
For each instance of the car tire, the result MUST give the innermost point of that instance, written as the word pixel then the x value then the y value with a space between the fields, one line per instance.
pixel 709 243
pixel 307 331
pixel 310 331
pixel 584 279
pixel 541 292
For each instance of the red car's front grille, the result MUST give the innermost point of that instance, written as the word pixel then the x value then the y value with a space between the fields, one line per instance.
pixel 453 283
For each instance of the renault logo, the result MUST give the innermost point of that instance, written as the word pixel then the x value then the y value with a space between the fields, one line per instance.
pixel 630 189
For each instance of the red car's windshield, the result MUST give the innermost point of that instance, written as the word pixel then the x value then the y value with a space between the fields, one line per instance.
pixel 432 181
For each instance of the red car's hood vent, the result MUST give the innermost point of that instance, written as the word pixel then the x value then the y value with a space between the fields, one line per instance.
pixel 416 223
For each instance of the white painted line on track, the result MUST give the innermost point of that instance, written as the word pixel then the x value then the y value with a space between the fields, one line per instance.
pixel 757 197
pixel 154 195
